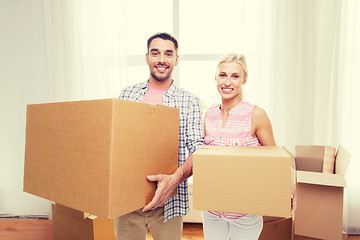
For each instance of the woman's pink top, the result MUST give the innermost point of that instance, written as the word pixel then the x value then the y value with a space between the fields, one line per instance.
pixel 237 132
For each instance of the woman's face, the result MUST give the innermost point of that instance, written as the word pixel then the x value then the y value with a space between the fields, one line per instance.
pixel 230 80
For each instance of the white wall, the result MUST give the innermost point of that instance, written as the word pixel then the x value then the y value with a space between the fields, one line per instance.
pixel 22 81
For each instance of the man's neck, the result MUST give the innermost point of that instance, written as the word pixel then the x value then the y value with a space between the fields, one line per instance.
pixel 161 84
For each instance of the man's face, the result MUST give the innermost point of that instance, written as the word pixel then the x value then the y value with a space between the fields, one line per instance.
pixel 161 59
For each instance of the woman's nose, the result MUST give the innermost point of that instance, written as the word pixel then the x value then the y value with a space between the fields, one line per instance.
pixel 227 81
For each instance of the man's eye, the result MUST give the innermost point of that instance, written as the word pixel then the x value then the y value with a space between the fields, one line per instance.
pixel 235 76
pixel 169 54
pixel 154 53
pixel 222 75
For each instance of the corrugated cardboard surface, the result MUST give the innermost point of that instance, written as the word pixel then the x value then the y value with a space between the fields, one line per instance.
pixel 94 156
pixel 320 199
pixel 319 211
pixel 309 158
pixel 325 179
pixel 252 180
pixel 67 226
pixel 342 159
pixel 63 210
pixel 299 237
pixel 280 229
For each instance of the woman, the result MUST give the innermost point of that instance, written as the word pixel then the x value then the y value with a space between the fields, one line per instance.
pixel 234 122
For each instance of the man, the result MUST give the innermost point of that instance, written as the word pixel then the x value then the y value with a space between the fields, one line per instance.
pixel 163 215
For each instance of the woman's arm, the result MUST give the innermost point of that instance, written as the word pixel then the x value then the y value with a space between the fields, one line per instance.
pixel 261 127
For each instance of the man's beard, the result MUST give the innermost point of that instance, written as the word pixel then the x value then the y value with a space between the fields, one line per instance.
pixel 160 78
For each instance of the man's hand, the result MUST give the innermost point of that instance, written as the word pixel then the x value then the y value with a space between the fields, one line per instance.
pixel 166 185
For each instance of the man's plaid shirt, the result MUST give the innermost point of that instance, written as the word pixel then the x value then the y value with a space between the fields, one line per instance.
pixel 191 132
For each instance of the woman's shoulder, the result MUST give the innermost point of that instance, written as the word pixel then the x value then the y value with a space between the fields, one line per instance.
pixel 248 105
pixel 258 114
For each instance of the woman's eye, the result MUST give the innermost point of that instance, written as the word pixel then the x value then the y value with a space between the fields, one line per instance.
pixel 235 76
pixel 222 75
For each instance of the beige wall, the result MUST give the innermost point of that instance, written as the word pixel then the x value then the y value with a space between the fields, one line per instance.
pixel 22 81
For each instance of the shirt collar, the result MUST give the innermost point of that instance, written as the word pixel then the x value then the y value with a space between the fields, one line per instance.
pixel 169 93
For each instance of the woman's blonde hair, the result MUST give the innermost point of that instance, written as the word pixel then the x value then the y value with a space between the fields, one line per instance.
pixel 233 57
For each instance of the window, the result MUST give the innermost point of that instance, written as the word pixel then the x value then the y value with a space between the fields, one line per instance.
pixel 205 31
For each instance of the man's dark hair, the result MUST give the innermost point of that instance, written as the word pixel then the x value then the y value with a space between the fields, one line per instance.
pixel 164 36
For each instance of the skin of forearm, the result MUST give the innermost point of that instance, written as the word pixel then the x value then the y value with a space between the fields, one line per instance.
pixel 185 170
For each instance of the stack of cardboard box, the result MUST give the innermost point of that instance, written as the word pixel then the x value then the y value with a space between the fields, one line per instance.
pixel 94 156
pixel 319 213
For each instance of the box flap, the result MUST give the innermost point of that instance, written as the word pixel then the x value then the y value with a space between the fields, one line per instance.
pixel 310 151
pixel 326 179
pixel 309 158
pixel 341 160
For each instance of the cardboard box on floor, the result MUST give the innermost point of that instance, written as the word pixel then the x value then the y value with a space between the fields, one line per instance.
pixel 251 180
pixel 94 155
pixel 277 229
pixel 319 212
pixel 298 237
pixel 70 224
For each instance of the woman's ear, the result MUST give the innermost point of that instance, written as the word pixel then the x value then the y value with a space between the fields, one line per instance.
pixel 244 80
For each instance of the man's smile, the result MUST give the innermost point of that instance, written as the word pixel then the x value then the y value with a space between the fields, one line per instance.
pixel 161 68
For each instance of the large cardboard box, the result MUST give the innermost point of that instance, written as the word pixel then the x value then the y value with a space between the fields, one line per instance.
pixel 319 212
pixel 251 180
pixel 94 155
pixel 278 229
pixel 70 224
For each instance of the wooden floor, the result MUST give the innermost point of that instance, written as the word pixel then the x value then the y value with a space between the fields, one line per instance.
pixel 20 229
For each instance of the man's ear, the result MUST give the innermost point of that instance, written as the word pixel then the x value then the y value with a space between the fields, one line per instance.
pixel 147 58
pixel 176 60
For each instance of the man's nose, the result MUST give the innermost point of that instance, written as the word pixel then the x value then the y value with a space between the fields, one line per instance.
pixel 161 58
